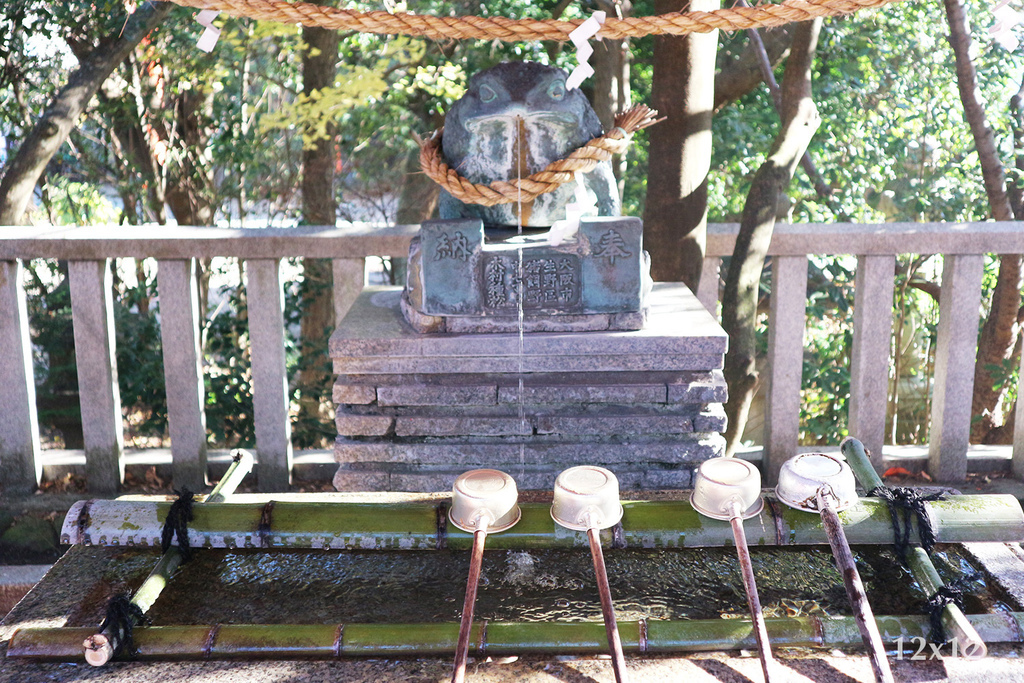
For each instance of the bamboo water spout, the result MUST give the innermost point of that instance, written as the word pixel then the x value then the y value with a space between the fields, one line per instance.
pixel 100 647
pixel 921 567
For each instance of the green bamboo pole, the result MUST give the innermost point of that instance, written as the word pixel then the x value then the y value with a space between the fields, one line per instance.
pixel 921 567
pixel 414 526
pixel 100 647
pixel 329 641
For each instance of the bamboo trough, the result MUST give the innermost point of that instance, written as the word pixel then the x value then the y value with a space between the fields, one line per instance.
pixel 424 526
pixel 333 641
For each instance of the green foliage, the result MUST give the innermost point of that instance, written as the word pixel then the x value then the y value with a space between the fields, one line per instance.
pixel 827 343
pixel 230 419
pixel 140 365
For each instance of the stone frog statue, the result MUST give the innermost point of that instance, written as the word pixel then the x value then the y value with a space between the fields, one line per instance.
pixel 515 119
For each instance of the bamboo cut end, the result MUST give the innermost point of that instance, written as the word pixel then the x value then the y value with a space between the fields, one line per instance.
pixel 98 650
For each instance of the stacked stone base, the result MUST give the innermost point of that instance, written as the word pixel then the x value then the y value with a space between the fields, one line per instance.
pixel 415 410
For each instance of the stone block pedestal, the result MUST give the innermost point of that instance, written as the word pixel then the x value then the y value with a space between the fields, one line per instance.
pixel 415 410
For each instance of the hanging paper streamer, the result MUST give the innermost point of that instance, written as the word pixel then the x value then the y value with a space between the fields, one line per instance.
pixel 580 37
pixel 585 204
pixel 211 34
pixel 1002 31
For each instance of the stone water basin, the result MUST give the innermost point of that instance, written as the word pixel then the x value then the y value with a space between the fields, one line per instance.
pixel 324 587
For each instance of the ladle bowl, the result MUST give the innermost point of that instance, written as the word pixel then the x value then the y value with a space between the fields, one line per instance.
pixel 723 483
pixel 801 476
pixel 484 496
pixel 586 497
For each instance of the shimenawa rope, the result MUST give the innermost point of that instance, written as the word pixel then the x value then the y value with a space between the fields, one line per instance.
pixel 503 28
pixel 554 174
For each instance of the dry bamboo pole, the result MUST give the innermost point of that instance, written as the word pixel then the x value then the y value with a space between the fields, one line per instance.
pixel 921 567
pixel 413 526
pixel 332 641
pixel 611 627
pixel 854 587
pixel 100 647
pixel 764 648
pixel 466 625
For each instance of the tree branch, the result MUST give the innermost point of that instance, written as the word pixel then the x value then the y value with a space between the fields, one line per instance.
pixel 54 126
pixel 821 188
pixel 742 74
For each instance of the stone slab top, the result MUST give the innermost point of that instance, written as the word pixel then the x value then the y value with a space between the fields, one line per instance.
pixel 678 325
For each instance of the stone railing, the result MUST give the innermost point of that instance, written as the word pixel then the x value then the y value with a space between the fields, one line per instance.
pixel 88 250
pixel 876 245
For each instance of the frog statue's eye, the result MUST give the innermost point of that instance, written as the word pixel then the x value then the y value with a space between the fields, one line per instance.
pixel 556 90
pixel 487 94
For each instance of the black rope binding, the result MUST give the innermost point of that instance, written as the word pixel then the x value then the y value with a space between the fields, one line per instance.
pixel 903 502
pixel 176 524
pixel 951 593
pixel 123 616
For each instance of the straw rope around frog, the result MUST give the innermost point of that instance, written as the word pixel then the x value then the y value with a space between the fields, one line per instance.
pixel 581 160
pixel 506 29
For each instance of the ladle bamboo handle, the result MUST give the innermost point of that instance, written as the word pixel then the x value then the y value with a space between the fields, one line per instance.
pixel 466 625
pixel 753 601
pixel 99 648
pixel 854 588
pixel 611 627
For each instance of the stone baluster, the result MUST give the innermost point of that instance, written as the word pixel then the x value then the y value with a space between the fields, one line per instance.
pixel 269 381
pixel 707 288
pixel 872 337
pixel 20 466
pixel 349 278
pixel 785 362
pixel 955 352
pixel 92 311
pixel 183 371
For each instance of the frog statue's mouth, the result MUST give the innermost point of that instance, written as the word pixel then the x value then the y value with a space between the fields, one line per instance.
pixel 519 114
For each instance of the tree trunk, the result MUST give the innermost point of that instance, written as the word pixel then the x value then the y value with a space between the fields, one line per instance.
pixel 739 300
pixel 999 333
pixel 319 207
pixel 60 117
pixel 675 217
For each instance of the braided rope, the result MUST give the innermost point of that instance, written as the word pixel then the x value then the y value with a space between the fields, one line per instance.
pixel 581 160
pixel 503 28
